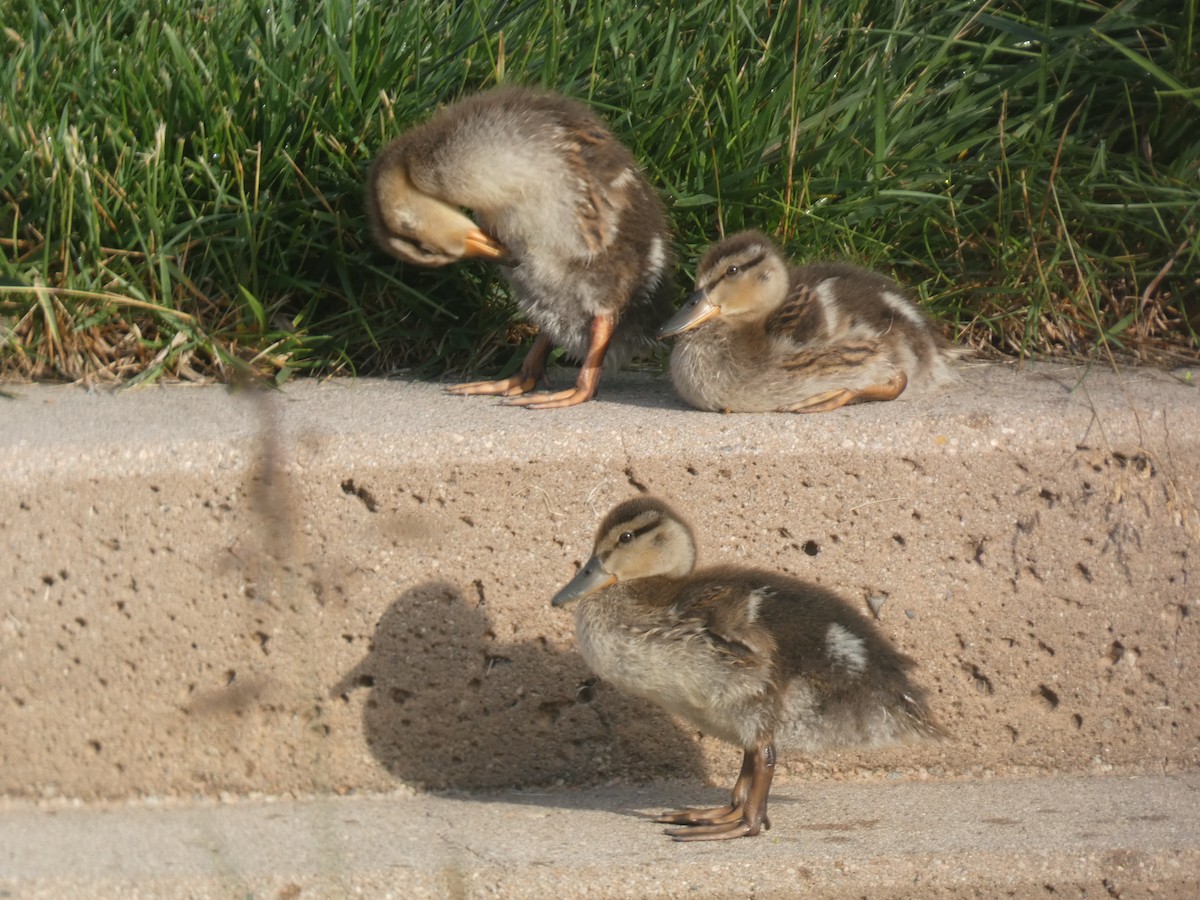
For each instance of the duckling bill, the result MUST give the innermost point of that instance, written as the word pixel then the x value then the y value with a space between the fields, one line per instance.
pixel 760 335
pixel 558 200
pixel 753 657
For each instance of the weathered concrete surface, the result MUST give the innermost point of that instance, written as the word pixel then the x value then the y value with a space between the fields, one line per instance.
pixel 344 586
pixel 1103 836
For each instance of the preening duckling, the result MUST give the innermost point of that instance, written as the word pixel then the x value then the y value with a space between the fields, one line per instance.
pixel 760 335
pixel 557 198
pixel 752 657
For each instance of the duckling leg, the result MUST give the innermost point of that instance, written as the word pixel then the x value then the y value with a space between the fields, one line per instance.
pixel 599 336
pixel 746 814
pixel 731 810
pixel 533 369
pixel 830 400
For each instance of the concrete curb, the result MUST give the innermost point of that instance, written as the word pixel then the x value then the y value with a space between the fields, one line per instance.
pixel 342 588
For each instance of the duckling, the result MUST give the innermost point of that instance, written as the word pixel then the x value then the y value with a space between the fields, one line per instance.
pixel 753 657
pixel 760 335
pixel 560 200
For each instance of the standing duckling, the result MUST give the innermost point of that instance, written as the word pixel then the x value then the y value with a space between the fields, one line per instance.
pixel 752 657
pixel 760 335
pixel 559 199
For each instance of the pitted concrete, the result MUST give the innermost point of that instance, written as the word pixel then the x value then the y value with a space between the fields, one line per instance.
pixel 343 586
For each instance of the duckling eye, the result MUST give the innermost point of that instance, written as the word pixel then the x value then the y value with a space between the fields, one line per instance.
pixel 625 538
pixel 732 271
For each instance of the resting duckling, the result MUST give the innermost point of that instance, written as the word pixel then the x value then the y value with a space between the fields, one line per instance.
pixel 559 199
pixel 752 657
pixel 759 335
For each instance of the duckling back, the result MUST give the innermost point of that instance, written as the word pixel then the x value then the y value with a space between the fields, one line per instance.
pixel 834 303
pixel 840 681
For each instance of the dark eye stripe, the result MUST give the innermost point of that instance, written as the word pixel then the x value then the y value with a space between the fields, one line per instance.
pixel 640 531
pixel 637 532
pixel 741 267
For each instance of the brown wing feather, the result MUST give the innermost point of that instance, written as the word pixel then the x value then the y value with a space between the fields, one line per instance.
pixel 587 151
pixel 727 616
pixel 799 317
pixel 832 358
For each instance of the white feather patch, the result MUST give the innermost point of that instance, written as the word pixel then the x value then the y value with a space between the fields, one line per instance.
pixel 901 306
pixel 753 601
pixel 656 258
pixel 827 299
pixel 624 179
pixel 846 649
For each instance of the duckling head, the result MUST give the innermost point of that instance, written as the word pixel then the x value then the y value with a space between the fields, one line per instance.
pixel 744 276
pixel 418 227
pixel 640 538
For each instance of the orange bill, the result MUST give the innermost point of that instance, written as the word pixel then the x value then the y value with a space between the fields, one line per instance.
pixel 479 244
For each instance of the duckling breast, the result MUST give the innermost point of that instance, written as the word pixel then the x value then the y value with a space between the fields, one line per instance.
pixel 562 293
pixel 704 369
pixel 676 669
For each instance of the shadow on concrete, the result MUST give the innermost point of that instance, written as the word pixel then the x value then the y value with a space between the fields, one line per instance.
pixel 452 705
pixel 640 389
pixel 644 389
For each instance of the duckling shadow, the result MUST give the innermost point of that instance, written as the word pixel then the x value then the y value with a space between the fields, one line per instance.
pixel 451 705
pixel 643 801
pixel 640 389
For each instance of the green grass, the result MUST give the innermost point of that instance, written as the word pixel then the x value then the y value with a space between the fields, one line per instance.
pixel 180 193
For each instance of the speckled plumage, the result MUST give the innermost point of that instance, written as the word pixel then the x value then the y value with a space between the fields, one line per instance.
pixel 753 657
pixel 583 229
pixel 760 335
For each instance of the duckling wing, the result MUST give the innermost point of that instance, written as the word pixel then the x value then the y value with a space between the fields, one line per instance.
pixel 727 616
pixel 836 362
pixel 838 302
pixel 826 345
pixel 605 174
pixel 801 317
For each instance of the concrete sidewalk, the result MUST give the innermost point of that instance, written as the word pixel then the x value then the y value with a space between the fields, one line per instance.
pixel 1052 837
